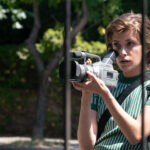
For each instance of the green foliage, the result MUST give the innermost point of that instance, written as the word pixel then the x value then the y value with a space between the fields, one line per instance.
pixel 106 10
pixel 23 53
pixel 110 10
pixel 17 14
pixel 53 3
pixel 17 72
pixel 20 71
pixel 94 47
pixel 52 40
pixel 135 6
pixel 3 13
pixel 50 43
pixel 101 13
pixel 27 1
pixel 7 99
pixel 10 3
pixel 8 104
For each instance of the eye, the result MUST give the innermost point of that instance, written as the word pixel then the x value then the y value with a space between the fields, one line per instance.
pixel 116 45
pixel 130 43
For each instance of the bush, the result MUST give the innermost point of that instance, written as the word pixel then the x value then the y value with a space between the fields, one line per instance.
pixel 17 72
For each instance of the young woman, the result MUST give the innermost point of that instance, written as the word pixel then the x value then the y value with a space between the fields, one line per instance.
pixel 123 130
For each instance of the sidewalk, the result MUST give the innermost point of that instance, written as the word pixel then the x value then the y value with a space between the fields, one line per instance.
pixel 26 143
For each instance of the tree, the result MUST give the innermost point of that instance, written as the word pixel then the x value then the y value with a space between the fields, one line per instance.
pixel 92 14
pixel 45 71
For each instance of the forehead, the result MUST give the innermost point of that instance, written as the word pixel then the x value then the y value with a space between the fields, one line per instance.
pixel 125 36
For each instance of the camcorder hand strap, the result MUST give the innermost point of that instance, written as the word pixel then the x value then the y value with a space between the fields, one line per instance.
pixel 106 115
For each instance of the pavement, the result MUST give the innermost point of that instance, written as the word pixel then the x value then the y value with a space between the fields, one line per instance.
pixel 27 143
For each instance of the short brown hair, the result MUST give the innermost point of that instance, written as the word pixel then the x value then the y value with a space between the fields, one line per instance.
pixel 128 22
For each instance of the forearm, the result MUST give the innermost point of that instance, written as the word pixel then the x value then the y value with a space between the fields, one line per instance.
pixel 86 130
pixel 130 127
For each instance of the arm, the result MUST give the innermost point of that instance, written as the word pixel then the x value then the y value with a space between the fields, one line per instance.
pixel 129 126
pixel 87 128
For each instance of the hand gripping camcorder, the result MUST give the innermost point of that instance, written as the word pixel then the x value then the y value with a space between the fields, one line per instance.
pixel 101 69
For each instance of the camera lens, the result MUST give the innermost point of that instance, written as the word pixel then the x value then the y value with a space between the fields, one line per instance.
pixel 72 73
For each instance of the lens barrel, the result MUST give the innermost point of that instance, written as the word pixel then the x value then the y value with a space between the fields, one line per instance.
pixel 78 71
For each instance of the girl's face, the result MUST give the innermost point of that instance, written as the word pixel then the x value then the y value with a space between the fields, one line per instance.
pixel 130 53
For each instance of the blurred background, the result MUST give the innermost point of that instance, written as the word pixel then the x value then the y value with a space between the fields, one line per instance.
pixel 31 48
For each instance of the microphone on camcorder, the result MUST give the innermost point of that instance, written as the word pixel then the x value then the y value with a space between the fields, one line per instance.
pixel 110 57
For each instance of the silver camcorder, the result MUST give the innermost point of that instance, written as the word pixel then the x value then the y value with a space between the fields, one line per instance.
pixel 101 69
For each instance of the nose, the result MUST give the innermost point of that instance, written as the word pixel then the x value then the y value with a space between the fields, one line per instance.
pixel 123 51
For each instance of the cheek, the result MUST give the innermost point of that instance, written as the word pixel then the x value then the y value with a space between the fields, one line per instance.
pixel 138 55
pixel 117 61
pixel 138 51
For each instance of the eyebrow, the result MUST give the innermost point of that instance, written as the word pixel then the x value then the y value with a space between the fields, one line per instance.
pixel 125 40
pixel 115 41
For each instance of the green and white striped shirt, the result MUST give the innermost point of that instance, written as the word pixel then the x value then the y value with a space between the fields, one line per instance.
pixel 112 138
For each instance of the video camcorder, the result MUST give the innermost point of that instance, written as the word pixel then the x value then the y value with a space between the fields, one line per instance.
pixel 102 69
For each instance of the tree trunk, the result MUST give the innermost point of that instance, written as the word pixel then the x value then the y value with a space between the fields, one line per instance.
pixel 44 72
pixel 38 129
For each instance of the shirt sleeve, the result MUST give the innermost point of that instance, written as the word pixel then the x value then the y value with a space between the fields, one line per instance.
pixel 148 101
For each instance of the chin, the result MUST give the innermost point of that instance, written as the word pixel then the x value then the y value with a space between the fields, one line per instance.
pixel 130 72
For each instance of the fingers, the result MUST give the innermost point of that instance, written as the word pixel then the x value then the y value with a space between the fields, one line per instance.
pixel 95 79
pixel 81 86
pixel 77 85
pixel 91 75
pixel 89 61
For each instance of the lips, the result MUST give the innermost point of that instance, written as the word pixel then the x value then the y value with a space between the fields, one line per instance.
pixel 124 61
